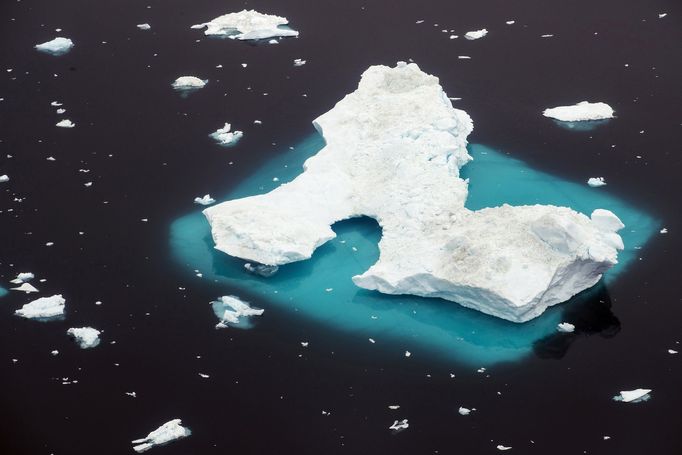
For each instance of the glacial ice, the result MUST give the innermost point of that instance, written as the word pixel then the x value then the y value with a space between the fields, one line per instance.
pixel 57 46
pixel 87 337
pixel 188 83
pixel 231 309
pixel 226 137
pixel 168 432
pixel 633 396
pixel 247 25
pixel 580 112
pixel 596 182
pixel 205 200
pixel 476 34
pixel 394 149
pixel 43 308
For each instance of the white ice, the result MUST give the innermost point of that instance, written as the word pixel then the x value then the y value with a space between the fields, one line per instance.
pixel 144 26
pixel 299 62
pixel 23 277
pixel 476 34
pixel 188 83
pixel 205 200
pixel 43 308
pixel 399 425
pixel 247 25
pixel 168 432
pixel 66 123
pixel 595 182
pixel 87 337
pixel 580 112
pixel 226 137
pixel 25 287
pixel 4 178
pixel 464 411
pixel 236 309
pixel 57 46
pixel 633 396
pixel 262 270
pixel 565 327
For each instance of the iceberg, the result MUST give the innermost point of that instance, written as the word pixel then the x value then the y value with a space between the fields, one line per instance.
pixel 476 34
pixel 25 287
pixel 57 46
pixel 394 149
pixel 633 396
pixel 188 83
pixel 23 277
pixel 565 327
pixel 168 432
pixel 144 26
pixel 247 25
pixel 580 112
pixel 596 182
pixel 4 178
pixel 66 123
pixel 226 137
pixel 87 337
pixel 205 200
pixel 231 309
pixel 43 308
pixel 399 425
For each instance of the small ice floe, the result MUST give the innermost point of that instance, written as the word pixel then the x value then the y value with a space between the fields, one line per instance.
pixel 663 231
pixel 247 25
pixel 188 83
pixel 583 111
pixel 144 26
pixel 226 137
pixel 476 34
pixel 565 327
pixel 596 182
pixel 204 376
pixel 299 62
pixel 633 396
pixel 4 178
pixel 393 407
pixel 273 41
pixel 168 432
pixel 546 36
pixel 206 200
pixel 61 111
pixel 66 123
pixel 56 103
pixel 464 57
pixel 408 353
pixel 662 15
pixel 672 351
pixel 25 287
pixel 43 308
pixel 87 337
pixel 230 309
pixel 464 411
pixel 23 277
pixel 132 394
pixel 57 46
pixel 399 425
pixel 501 447
pixel 510 22
pixel 261 269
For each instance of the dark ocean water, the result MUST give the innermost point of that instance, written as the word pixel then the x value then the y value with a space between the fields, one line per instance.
pixel 149 155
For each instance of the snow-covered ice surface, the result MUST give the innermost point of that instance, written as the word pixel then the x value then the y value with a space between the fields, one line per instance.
pixel 476 34
pixel 583 111
pixel 225 137
pixel 168 432
pixel 247 25
pixel 394 152
pixel 234 312
pixel 86 337
pixel 633 396
pixel 45 308
pixel 57 46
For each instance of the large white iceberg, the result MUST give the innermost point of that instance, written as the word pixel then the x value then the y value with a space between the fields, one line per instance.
pixel 169 431
pixel 86 337
pixel 394 149
pixel 582 111
pixel 247 25
pixel 57 46
pixel 43 308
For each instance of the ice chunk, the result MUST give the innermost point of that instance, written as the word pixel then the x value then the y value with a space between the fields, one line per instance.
pixel 144 26
pixel 66 123
pixel 596 182
pixel 393 152
pixel 25 287
pixel 87 337
pixel 43 308
pixel 205 200
pixel 247 25
pixel 168 432
pixel 565 327
pixel 4 178
pixel 502 447
pixel 633 396
pixel 476 34
pixel 261 269
pixel 299 62
pixel 231 309
pixel 510 22
pixel 464 411
pixel 399 425
pixel 189 83
pixel 580 112
pixel 23 277
pixel 57 46
pixel 225 137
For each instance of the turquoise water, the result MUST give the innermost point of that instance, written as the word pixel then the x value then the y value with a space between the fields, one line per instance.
pixel 3 291
pixel 404 322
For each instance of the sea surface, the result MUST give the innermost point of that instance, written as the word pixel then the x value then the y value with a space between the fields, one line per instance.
pixel 304 378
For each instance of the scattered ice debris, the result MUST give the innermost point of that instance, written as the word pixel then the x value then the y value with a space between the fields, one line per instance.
pixel 261 269
pixel 87 337
pixel 501 447
pixel 187 83
pixel 4 178
pixel 225 137
pixel 169 431
pixel 23 277
pixel 580 112
pixel 565 327
pixel 25 287
pixel 672 351
pixel 299 62
pixel 205 376
pixel 399 425
pixel 663 231
pixel 464 411
pixel 595 182
pixel 206 200
pixel 633 396
pixel 476 34
pixel 57 46
pixel 144 26
pixel 481 370
pixel 66 123
pixel 43 308
pixel 230 309
pixel 247 25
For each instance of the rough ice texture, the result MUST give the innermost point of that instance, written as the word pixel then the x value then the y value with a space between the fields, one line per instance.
pixel 188 82
pixel 580 112
pixel 87 337
pixel 169 431
pixel 57 46
pixel 231 309
pixel 476 34
pixel 43 308
pixel 393 152
pixel 226 137
pixel 247 25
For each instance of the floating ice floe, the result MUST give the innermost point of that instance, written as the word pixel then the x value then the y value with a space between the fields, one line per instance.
pixel 247 25
pixel 565 327
pixel 299 62
pixel 633 396
pixel 261 269
pixel 595 182
pixel 4 178
pixel 23 277
pixel 66 123
pixel 580 112
pixel 393 152
pixel 87 337
pixel 205 200
pixel 464 411
pixel 663 231
pixel 25 287
pixel 43 308
pixel 510 22
pixel 672 351
pixel 60 111
pixel 476 34
pixel 226 137
pixel 503 448
pixel 187 83
pixel 144 26
pixel 57 46
pixel 231 309
pixel 168 432
pixel 399 425
pixel 662 15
